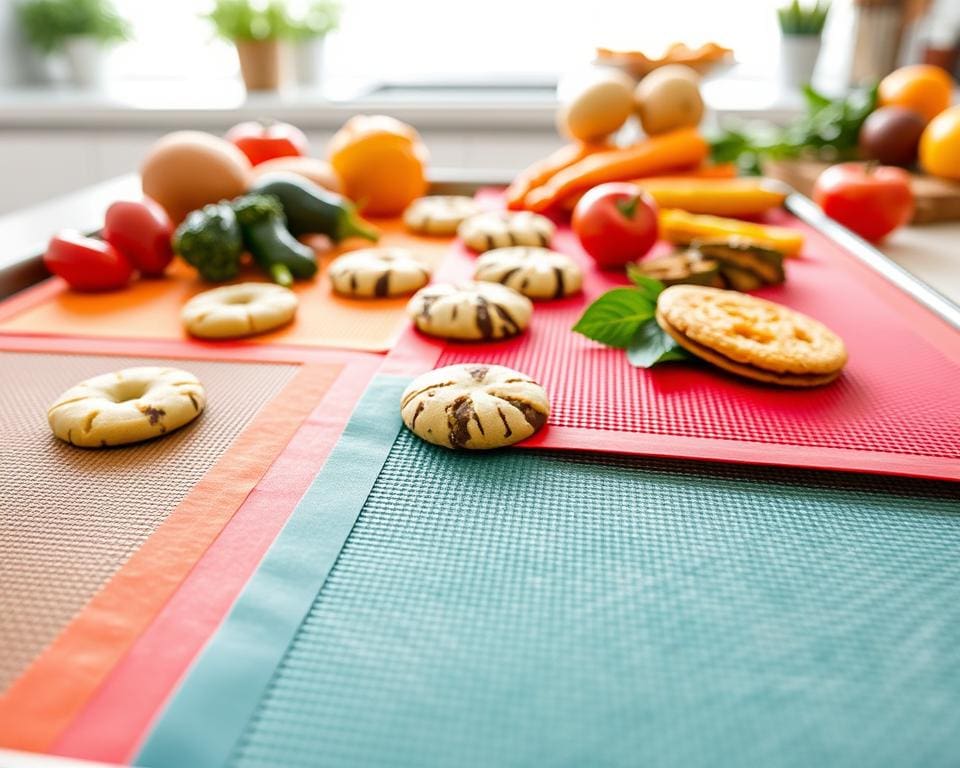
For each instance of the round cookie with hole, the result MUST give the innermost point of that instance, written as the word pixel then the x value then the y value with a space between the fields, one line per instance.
pixel 234 311
pixel 378 273
pixel 127 406
pixel 537 273
pixel 474 406
pixel 471 311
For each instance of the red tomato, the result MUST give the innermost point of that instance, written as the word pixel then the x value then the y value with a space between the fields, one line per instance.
pixel 872 201
pixel 616 223
pixel 141 231
pixel 87 264
pixel 265 141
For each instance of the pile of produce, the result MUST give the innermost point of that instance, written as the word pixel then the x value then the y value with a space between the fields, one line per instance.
pixel 213 201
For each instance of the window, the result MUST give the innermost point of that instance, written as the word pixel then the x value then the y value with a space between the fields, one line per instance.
pixel 496 40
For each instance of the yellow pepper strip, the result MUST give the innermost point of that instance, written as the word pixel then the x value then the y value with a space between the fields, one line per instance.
pixel 683 228
pixel 719 197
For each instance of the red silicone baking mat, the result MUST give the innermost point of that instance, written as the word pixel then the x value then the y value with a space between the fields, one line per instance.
pixel 97 541
pixel 894 409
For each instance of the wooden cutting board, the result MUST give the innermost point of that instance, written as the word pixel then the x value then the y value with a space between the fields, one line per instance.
pixel 935 199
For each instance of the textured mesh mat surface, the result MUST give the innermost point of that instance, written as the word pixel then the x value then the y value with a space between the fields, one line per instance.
pixel 523 609
pixel 69 518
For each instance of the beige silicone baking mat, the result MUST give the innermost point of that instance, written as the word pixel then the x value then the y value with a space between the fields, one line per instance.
pixel 69 517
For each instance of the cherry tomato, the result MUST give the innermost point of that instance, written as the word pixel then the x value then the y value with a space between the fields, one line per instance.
pixel 616 223
pixel 265 141
pixel 87 264
pixel 872 201
pixel 141 231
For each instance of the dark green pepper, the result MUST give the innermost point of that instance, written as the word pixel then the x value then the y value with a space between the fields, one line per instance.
pixel 312 210
pixel 266 236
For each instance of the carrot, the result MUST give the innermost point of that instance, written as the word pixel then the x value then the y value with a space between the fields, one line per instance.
pixel 542 170
pixel 683 147
pixel 705 171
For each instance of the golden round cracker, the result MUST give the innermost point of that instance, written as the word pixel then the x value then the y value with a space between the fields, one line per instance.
pixel 751 331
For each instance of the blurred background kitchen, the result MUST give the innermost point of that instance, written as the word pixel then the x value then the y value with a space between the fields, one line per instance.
pixel 87 85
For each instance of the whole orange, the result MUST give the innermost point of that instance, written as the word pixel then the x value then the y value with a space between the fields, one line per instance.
pixel 381 162
pixel 940 145
pixel 924 88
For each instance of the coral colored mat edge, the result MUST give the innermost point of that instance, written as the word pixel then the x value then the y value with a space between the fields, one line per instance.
pixel 115 720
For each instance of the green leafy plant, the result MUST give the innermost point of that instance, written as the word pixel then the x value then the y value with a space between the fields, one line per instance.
pixel 318 19
pixel 625 318
pixel 829 130
pixel 796 19
pixel 48 24
pixel 249 20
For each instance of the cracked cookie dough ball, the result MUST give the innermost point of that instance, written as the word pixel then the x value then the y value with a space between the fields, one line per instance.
pixel 126 406
pixel 470 311
pixel 502 229
pixel 239 310
pixel 474 406
pixel 537 273
pixel 439 214
pixel 378 273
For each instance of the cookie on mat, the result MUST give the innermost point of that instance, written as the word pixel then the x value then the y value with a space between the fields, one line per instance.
pixel 378 272
pixel 502 229
pixel 538 273
pixel 126 406
pixel 474 406
pixel 470 311
pixel 751 337
pixel 238 310
pixel 439 214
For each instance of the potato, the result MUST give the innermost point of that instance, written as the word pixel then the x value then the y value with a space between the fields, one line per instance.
pixel 318 171
pixel 596 106
pixel 669 98
pixel 186 170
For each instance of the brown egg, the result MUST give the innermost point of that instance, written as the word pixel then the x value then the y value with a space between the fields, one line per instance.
pixel 669 98
pixel 318 171
pixel 595 107
pixel 186 170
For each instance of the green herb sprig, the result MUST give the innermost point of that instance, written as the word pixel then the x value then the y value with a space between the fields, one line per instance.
pixel 625 318
pixel 796 19
pixel 829 130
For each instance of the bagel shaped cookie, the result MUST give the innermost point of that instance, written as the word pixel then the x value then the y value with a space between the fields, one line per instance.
pixel 439 214
pixel 126 406
pixel 244 309
pixel 470 311
pixel 503 229
pixel 474 406
pixel 537 273
pixel 378 273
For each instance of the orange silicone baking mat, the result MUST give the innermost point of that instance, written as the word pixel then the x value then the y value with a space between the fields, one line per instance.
pixel 150 309
pixel 94 542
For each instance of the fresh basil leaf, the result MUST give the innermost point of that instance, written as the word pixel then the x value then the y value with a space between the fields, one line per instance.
pixel 651 345
pixel 614 318
pixel 651 287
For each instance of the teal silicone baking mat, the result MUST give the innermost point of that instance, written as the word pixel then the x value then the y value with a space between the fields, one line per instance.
pixel 430 608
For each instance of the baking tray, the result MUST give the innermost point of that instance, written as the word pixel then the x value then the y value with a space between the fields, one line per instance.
pixel 892 410
pixel 543 608
pixel 96 542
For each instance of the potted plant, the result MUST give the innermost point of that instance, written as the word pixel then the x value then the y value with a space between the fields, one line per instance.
pixel 307 30
pixel 80 30
pixel 255 28
pixel 800 30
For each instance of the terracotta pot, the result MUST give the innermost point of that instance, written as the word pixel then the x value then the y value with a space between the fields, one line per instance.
pixel 261 64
